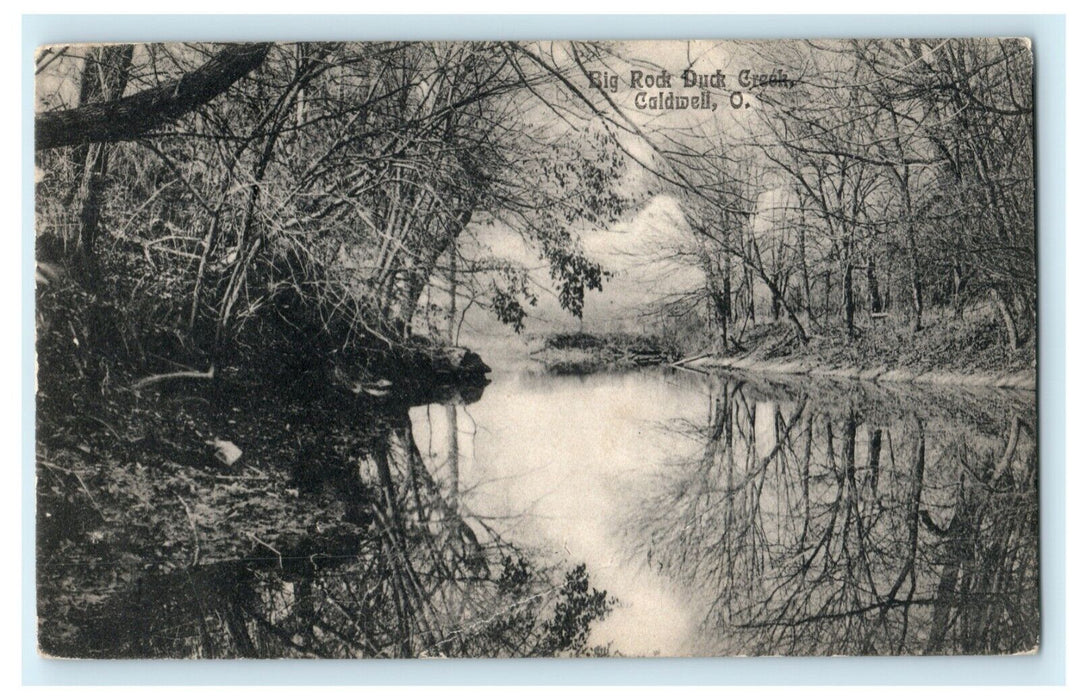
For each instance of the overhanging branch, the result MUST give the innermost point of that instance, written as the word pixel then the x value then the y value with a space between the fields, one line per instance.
pixel 130 117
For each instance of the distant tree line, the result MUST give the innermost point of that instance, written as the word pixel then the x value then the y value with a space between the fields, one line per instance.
pixel 882 178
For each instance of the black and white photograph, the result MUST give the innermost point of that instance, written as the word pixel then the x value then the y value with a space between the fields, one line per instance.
pixel 426 349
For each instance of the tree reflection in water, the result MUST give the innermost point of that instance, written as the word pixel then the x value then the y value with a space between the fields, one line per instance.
pixel 412 575
pixel 821 521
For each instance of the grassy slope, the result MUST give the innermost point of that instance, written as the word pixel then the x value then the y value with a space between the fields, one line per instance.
pixel 970 350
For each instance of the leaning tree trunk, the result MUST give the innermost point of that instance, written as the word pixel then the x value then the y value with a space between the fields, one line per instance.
pixel 805 274
pixel 800 331
pixel 129 118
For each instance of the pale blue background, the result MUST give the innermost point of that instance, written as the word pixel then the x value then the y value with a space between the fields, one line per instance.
pixel 1046 667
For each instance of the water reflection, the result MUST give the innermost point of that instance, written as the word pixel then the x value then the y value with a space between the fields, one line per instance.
pixel 728 515
pixel 408 572
pixel 850 521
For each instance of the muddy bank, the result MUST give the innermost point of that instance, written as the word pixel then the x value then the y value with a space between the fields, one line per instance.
pixel 1017 379
pixel 150 544
pixel 944 352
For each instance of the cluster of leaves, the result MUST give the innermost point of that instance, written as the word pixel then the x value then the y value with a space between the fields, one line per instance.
pixel 578 607
pixel 506 298
pixel 551 630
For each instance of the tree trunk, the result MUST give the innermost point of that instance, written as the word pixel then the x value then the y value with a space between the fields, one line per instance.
pixel 726 313
pixel 131 117
pixel 792 316
pixel 902 175
pixel 872 285
pixel 452 313
pixel 957 289
pixel 849 293
pixel 418 277
pixel 750 301
pixel 1007 319
pixel 916 281
pixel 805 274
pixel 828 293
pixel 104 78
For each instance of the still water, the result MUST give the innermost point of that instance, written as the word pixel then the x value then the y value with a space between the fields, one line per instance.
pixel 637 513
pixel 735 515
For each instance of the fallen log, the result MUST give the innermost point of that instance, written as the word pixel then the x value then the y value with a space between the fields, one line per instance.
pixel 685 360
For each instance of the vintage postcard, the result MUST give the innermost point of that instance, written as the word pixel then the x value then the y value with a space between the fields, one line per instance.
pixel 547 348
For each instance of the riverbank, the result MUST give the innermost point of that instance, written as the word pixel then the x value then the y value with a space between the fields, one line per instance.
pixel 945 352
